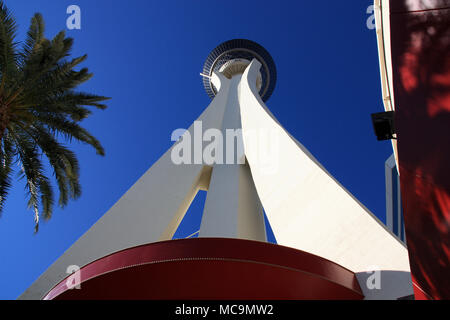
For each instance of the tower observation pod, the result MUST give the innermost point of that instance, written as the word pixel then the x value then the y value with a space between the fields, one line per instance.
pixel 329 246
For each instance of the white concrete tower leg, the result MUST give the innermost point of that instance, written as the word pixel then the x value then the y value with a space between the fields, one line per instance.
pixel 150 211
pixel 309 210
pixel 232 208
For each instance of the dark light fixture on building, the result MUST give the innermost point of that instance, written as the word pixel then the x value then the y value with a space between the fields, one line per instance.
pixel 384 125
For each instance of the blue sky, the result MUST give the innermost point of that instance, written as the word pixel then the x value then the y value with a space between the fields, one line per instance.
pixel 147 56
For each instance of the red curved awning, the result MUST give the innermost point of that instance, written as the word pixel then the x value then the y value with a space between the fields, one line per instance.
pixel 214 269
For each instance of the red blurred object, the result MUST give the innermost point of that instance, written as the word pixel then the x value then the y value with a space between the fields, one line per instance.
pixel 420 42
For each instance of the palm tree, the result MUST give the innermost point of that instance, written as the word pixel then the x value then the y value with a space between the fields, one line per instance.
pixel 39 104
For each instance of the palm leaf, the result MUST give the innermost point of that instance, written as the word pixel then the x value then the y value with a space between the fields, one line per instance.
pixel 8 56
pixel 38 105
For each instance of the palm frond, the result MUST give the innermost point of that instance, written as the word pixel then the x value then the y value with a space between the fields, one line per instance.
pixel 70 130
pixel 64 163
pixel 6 160
pixel 35 35
pixel 8 56
pixel 31 169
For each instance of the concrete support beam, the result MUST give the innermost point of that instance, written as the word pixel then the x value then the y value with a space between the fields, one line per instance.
pixel 309 210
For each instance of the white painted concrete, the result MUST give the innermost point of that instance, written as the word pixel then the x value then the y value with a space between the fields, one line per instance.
pixel 383 30
pixel 310 211
pixel 232 208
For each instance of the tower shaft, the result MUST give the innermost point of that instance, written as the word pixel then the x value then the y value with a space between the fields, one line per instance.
pixel 232 207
